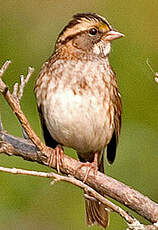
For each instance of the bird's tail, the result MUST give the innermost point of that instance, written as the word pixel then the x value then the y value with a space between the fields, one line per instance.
pixel 96 212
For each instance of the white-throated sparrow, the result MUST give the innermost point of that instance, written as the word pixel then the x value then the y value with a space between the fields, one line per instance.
pixel 78 99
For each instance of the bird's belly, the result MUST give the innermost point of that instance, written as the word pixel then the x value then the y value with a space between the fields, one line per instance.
pixel 79 121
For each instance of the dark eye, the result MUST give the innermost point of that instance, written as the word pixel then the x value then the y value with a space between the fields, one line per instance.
pixel 93 31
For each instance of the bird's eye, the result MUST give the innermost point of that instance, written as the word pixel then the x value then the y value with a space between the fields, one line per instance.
pixel 93 31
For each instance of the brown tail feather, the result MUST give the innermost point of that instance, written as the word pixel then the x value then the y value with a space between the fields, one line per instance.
pixel 96 213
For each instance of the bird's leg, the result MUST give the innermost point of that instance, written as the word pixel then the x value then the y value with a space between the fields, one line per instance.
pixel 91 165
pixel 56 154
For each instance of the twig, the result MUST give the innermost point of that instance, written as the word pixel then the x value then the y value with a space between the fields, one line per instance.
pixel 133 224
pixel 12 101
pixel 76 182
pixel 18 90
pixel 4 68
pixel 137 226
pixel 155 73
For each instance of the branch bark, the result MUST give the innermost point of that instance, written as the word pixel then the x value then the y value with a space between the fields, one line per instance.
pixel 99 185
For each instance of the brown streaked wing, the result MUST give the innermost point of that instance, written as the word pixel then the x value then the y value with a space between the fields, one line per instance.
pixel 111 148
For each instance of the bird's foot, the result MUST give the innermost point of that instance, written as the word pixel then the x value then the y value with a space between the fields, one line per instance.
pixel 56 155
pixel 90 166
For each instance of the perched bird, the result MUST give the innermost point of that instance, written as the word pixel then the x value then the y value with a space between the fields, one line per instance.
pixel 78 99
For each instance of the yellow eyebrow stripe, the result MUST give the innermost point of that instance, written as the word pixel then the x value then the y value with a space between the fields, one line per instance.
pixel 103 27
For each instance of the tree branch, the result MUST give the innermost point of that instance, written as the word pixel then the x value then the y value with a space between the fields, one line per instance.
pixel 92 193
pixel 13 102
pixel 98 186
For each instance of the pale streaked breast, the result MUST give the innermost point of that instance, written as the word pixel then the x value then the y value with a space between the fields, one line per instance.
pixel 78 109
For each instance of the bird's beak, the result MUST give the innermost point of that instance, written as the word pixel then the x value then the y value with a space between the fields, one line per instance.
pixel 112 34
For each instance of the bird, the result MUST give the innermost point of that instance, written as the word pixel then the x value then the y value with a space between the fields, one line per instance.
pixel 78 98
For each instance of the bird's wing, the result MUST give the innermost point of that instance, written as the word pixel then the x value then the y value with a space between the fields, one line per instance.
pixel 111 148
pixel 47 137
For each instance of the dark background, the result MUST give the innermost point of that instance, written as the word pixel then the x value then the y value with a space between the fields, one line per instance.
pixel 28 31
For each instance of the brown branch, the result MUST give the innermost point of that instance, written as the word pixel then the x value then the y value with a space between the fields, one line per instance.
pixel 15 106
pixel 102 184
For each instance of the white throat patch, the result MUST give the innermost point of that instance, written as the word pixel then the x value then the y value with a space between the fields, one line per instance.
pixel 107 48
pixel 102 49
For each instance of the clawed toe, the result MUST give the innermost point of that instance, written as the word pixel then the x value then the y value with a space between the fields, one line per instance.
pixel 90 166
pixel 57 155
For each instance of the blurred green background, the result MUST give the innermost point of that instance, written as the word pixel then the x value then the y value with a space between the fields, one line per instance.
pixel 28 31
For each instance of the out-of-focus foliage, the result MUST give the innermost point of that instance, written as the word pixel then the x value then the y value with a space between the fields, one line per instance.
pixel 28 30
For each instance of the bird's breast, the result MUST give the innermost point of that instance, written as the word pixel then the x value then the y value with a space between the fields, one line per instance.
pixel 78 110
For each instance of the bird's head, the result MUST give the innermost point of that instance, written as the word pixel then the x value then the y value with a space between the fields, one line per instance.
pixel 89 33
